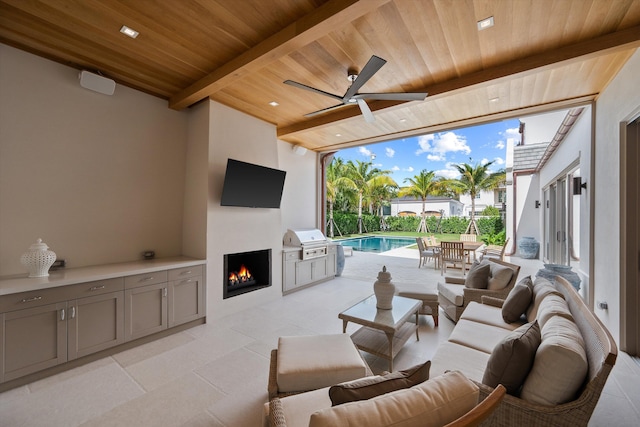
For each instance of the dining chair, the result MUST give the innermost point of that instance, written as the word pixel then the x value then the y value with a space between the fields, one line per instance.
pixel 426 252
pixel 452 252
pixel 468 237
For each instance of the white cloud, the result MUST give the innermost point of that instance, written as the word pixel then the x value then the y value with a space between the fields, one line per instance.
pixel 409 169
pixel 512 135
pixel 435 157
pixel 484 161
pixel 498 161
pixel 438 145
pixel 395 168
pixel 447 173
pixel 365 151
pixel 390 152
pixel 500 145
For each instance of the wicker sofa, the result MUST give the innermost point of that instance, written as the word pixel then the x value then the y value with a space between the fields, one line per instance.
pixel 481 326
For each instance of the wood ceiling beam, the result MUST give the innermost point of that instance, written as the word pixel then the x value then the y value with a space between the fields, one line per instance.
pixel 329 17
pixel 602 45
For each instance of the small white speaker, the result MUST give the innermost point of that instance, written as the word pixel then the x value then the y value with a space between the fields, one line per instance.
pixel 299 150
pixel 96 83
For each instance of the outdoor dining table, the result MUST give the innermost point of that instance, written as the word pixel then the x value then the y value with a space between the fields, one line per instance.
pixel 468 247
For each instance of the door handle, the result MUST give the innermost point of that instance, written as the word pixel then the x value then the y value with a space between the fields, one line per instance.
pixel 62 314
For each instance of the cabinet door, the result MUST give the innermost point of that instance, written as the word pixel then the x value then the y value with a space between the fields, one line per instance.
pixel 95 323
pixel 304 273
pixel 145 311
pixel 319 269
pixel 332 261
pixel 186 300
pixel 33 339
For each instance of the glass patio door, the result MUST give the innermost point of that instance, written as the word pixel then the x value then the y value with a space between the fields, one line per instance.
pixel 555 223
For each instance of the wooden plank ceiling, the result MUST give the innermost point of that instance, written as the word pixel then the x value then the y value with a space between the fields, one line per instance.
pixel 539 55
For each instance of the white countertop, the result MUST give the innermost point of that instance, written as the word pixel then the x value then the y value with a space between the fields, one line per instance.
pixel 71 276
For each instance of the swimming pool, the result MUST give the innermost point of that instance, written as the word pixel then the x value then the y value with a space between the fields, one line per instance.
pixel 377 243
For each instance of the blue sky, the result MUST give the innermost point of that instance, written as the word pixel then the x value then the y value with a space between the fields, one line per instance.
pixel 406 157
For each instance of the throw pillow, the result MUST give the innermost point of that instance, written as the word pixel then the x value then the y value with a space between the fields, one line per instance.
pixel 366 388
pixel 499 276
pixel 512 358
pixel 518 300
pixel 478 276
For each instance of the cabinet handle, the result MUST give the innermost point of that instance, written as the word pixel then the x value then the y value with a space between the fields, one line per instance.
pixel 73 312
pixel 164 292
pixel 185 272
pixel 186 281
pixel 62 314
pixel 146 279
pixel 96 288
pixel 37 298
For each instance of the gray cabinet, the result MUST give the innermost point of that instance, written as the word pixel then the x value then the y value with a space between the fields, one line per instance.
pixel 298 273
pixel 44 328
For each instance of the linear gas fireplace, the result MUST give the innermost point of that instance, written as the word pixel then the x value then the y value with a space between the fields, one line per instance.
pixel 246 271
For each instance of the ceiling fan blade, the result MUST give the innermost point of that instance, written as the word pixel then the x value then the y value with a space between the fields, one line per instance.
pixel 393 96
pixel 312 89
pixel 372 67
pixel 325 110
pixel 366 111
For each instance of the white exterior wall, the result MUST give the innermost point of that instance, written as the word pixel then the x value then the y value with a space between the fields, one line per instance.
pixel 450 207
pixel 487 198
pixel 541 128
pixel 619 103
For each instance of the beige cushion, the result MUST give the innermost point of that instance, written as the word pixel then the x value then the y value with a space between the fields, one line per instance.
pixel 480 336
pixel 432 403
pixel 511 360
pixel 489 315
pixel 450 356
pixel 553 305
pixel 561 356
pixel 417 291
pixel 368 387
pixel 297 408
pixel 453 292
pixel 541 288
pixel 311 362
pixel 499 277
pixel 518 300
pixel 478 276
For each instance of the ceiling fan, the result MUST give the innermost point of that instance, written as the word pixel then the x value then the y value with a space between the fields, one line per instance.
pixel 352 96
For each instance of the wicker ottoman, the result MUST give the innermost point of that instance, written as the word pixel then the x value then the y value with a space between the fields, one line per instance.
pixel 428 295
pixel 303 363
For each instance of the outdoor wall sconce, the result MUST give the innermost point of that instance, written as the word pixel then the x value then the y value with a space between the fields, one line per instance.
pixel 578 185
pixel 537 204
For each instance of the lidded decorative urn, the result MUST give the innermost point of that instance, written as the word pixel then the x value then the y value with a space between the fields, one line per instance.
pixel 384 290
pixel 38 259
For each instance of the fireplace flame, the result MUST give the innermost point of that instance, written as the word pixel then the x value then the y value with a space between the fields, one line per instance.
pixel 241 276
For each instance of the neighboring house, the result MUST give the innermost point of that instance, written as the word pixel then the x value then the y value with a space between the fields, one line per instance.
pixel 434 206
pixel 496 198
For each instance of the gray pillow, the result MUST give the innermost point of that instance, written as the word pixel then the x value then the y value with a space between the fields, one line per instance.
pixel 512 358
pixel 369 387
pixel 518 300
pixel 478 276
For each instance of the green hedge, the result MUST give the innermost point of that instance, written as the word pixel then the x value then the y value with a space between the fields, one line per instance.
pixel 348 223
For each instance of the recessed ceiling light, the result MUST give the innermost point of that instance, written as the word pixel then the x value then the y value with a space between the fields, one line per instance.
pixel 494 99
pixel 129 32
pixel 403 120
pixel 485 23
pixel 274 104
pixel 338 134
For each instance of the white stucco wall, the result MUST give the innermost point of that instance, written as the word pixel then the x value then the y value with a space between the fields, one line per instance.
pixel 99 178
pixel 618 103
pixel 541 128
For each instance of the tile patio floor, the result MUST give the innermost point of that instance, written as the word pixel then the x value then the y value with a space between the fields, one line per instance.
pixel 216 374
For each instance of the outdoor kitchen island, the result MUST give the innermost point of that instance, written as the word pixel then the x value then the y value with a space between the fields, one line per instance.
pixel 308 258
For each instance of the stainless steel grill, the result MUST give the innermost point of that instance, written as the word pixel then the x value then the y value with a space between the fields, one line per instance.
pixel 312 242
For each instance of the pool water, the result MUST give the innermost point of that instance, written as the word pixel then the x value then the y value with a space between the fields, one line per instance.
pixel 377 243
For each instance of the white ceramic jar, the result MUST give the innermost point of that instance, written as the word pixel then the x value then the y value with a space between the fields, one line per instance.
pixel 38 259
pixel 384 290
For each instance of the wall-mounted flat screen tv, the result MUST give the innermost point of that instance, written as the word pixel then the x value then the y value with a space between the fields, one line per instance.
pixel 252 186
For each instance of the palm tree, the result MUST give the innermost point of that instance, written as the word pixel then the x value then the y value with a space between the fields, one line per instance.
pixel 423 185
pixel 363 178
pixel 474 179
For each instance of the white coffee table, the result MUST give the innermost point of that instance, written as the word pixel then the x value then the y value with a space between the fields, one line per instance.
pixel 383 332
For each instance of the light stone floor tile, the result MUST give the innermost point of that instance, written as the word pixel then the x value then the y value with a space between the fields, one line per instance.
pixel 151 349
pixel 170 365
pixel 171 405
pixel 215 374
pixel 70 401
